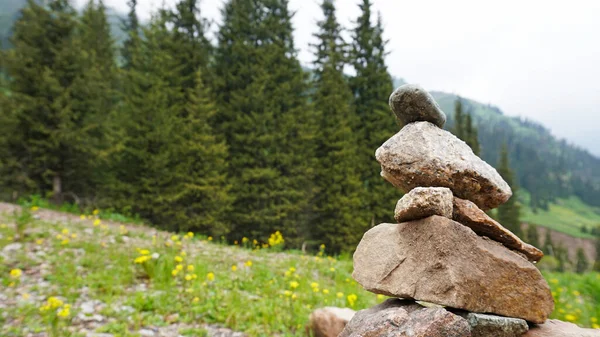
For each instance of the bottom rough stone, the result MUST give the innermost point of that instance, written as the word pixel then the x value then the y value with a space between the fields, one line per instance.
pixel 399 318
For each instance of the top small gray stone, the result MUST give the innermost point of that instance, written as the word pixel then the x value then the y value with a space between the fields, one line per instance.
pixel 411 103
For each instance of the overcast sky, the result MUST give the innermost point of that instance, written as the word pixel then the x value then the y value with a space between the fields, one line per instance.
pixel 536 59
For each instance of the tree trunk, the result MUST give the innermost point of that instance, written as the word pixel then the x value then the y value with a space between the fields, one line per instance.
pixel 57 189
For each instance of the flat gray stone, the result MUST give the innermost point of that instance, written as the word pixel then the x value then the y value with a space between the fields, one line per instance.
pixel 483 325
pixel 411 103
pixel 423 155
pixel 422 202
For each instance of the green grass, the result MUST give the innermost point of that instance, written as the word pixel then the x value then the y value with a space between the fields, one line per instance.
pixel 260 291
pixel 566 215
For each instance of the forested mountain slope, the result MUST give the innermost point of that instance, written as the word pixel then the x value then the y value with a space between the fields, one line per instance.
pixel 548 168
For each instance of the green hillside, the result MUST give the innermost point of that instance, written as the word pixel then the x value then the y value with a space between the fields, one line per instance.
pixel 128 278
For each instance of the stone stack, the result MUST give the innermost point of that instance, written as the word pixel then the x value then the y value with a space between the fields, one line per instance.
pixel 479 278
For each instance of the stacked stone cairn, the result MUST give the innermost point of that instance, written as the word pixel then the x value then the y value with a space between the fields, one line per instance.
pixel 451 269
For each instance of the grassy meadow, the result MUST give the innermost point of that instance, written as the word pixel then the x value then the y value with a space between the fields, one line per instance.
pixel 74 275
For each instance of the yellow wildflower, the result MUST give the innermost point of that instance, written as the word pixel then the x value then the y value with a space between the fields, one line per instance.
pixel 570 318
pixel 178 259
pixel 210 238
pixel 190 267
pixel 576 293
pixel 179 267
pixel 352 299
pixel 141 259
pixel 26 296
pixel 235 242
pixel 190 235
pixel 287 293
pixel 276 239
pixel 65 231
pixel 64 312
pixel 332 269
pixel 210 276
pixel 39 241
pixel 82 217
pixel 16 273
pixel 294 284
pixel 188 277
pixel 174 238
pixel 233 268
pixel 54 302
pixel 244 239
pixel 97 222
pixel 34 208
pixel 325 291
pixel 380 297
pixel 174 272
pixel 554 281
pixel 339 294
pixel 73 236
pixel 594 320
pixel 64 242
pixel 248 263
pixel 294 296
pixel 144 252
pixel 196 300
pixel 314 285
pixel 96 211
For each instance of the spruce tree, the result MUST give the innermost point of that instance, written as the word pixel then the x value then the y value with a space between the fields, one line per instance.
pixel 131 26
pixel 471 135
pixel 265 119
pixel 459 120
pixel 371 87
pixel 533 236
pixel 201 197
pixel 49 138
pixel 548 248
pixel 597 260
pixel 192 48
pixel 464 128
pixel 563 258
pixel 340 217
pixel 508 213
pixel 582 263
pixel 95 96
pixel 146 170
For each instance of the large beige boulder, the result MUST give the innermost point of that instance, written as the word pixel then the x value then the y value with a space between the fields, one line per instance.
pixel 422 154
pixel 441 261
pixel 329 321
pixel 399 318
pixel 422 202
pixel 468 214
pixel 556 328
